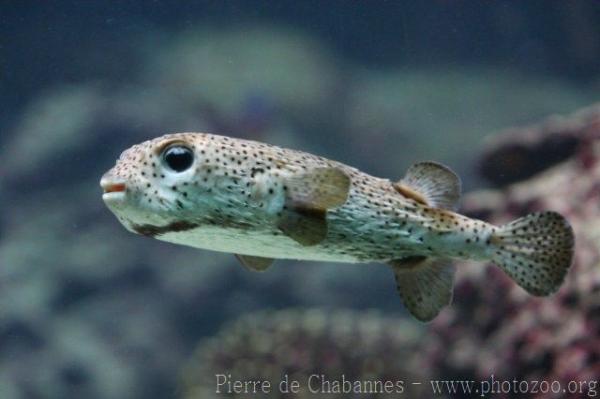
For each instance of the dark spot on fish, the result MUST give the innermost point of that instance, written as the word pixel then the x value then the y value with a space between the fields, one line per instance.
pixel 255 171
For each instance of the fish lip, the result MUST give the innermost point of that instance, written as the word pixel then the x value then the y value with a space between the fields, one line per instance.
pixel 113 196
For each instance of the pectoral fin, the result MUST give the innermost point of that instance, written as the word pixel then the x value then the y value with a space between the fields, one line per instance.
pixel 308 198
pixel 432 184
pixel 424 284
pixel 255 263
pixel 304 225
pixel 321 188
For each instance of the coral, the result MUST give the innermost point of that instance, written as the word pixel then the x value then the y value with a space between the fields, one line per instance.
pixel 495 327
pixel 265 346
pixel 519 153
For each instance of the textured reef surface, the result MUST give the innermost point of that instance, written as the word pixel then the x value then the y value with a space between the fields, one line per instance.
pixel 315 348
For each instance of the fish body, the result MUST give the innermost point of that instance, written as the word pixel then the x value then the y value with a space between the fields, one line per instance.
pixel 264 202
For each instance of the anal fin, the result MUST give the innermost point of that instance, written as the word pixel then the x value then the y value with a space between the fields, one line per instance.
pixel 425 285
pixel 255 263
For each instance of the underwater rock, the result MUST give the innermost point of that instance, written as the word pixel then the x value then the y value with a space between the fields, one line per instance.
pixel 244 79
pixel 494 327
pixel 518 153
pixel 267 346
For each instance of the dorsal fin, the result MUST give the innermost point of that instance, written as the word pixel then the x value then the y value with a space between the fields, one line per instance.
pixel 432 184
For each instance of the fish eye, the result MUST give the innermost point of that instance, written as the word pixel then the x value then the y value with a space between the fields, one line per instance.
pixel 178 158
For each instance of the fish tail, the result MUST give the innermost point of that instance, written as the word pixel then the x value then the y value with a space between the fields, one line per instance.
pixel 536 251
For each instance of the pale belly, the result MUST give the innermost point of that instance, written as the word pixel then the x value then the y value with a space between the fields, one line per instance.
pixel 256 243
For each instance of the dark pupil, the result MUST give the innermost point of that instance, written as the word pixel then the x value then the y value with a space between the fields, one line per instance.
pixel 179 158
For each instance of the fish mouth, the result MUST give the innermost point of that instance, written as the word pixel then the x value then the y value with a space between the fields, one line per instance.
pixel 113 190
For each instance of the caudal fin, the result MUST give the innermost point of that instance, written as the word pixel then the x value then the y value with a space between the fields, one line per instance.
pixel 535 251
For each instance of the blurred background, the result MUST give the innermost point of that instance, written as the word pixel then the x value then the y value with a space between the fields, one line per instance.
pixel 503 92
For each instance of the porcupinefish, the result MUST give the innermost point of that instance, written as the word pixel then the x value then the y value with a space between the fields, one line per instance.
pixel 263 202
